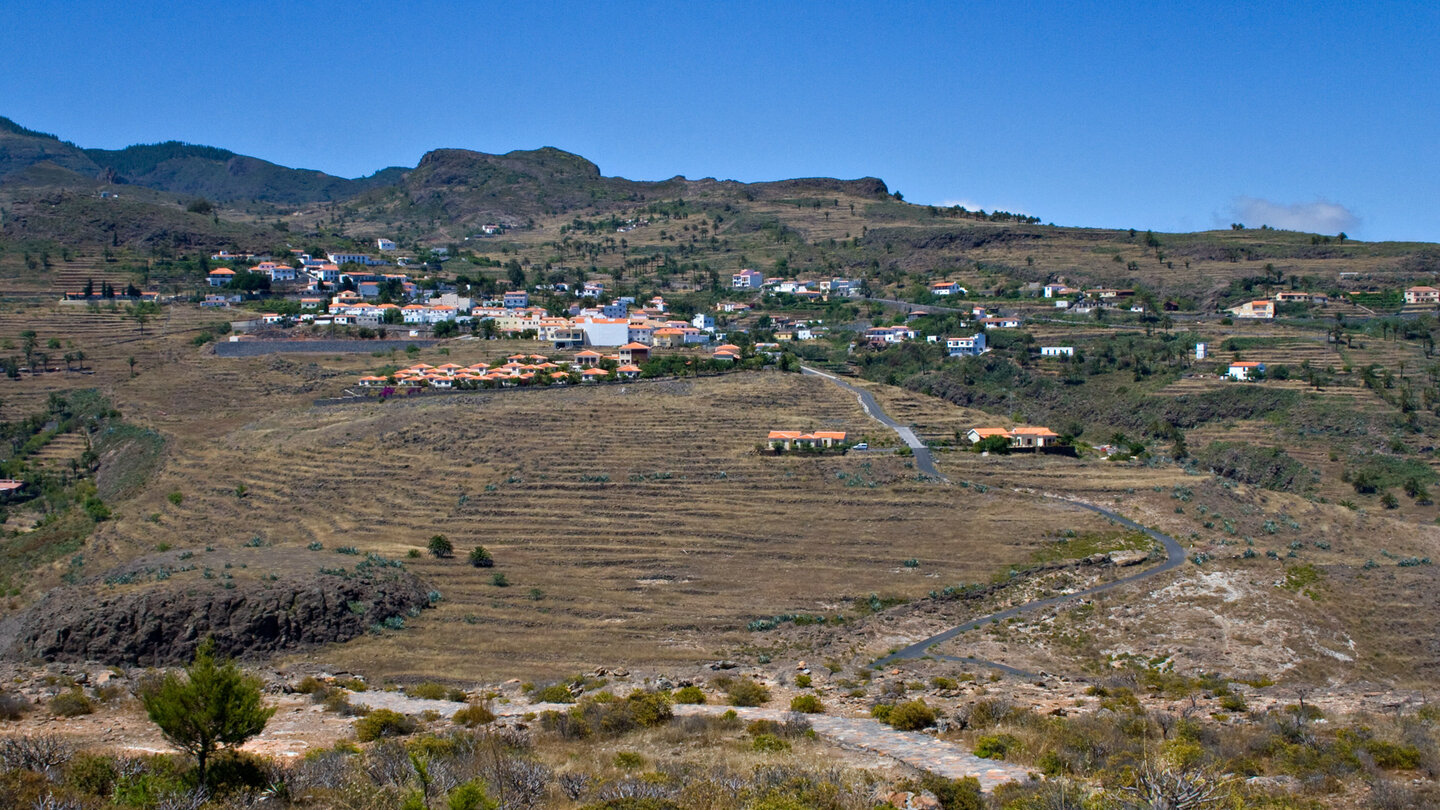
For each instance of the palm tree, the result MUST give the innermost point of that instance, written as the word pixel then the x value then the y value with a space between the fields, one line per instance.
pixel 32 341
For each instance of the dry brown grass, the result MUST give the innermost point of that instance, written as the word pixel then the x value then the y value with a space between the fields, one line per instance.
pixel 662 564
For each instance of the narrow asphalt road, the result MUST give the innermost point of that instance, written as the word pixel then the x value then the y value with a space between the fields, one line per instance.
pixel 923 460
pixel 1174 558
pixel 1174 552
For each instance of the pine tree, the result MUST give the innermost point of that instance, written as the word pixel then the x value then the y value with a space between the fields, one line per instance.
pixel 214 706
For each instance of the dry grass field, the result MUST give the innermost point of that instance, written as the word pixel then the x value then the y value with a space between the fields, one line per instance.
pixel 634 523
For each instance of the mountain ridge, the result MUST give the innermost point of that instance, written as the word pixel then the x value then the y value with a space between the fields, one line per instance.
pixel 461 184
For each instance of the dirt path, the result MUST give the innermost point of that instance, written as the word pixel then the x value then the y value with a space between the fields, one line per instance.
pixel 913 748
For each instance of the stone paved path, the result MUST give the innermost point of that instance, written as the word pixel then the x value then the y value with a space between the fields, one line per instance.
pixel 913 748
pixel 916 749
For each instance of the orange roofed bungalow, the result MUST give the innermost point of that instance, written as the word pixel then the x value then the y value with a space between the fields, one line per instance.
pixel 634 353
pixel 1027 437
pixel 791 439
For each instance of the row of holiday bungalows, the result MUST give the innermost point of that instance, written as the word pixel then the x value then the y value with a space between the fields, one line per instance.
pixel 523 369
pixel 510 374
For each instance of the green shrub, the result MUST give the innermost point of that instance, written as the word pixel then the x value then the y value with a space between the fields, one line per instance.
pixel 554 693
pixel 941 682
pixel 803 681
pixel 177 497
pixel 911 716
pixel 309 685
pixel 429 690
pixel 481 558
pixel 995 746
pixel 649 709
pixel 691 695
pixel 747 692
pixel 71 704
pixel 629 761
pixel 472 716
pixel 769 743
pixel 470 796
pixel 383 723
pixel 1234 703
pixel 441 547
pixel 1392 756
pixel 499 580
pixel 92 774
pixel 234 771
pixel 955 794
pixel 807 704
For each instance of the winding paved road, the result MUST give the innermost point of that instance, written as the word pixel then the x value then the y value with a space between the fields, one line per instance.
pixel 1174 557
pixel 923 460
pixel 1174 552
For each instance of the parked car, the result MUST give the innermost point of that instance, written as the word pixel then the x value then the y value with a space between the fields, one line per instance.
pixel 860 446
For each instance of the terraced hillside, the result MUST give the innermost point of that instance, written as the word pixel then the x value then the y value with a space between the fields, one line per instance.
pixel 634 523
pixel 107 337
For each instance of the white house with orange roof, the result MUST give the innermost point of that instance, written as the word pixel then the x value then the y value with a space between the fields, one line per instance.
pixel 1422 295
pixel 642 332
pixel 1245 370
pixel 604 331
pixel 1025 437
pixel 791 439
pixel 965 346
pixel 669 338
pixel 747 280
pixel 634 353
pixel 221 276
pixel 628 371
pixel 1254 309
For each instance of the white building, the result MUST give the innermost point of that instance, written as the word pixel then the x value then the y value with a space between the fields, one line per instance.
pixel 604 331
pixel 384 244
pixel 747 280
pixel 356 258
pixel 1199 351
pixel 965 346
pixel 703 321
pixel 1245 370
pixel 1057 351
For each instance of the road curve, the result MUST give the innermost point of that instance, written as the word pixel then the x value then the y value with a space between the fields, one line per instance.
pixel 1174 558
pixel 923 460
pixel 1174 552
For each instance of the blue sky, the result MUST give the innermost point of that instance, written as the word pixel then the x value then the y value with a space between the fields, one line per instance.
pixel 1318 116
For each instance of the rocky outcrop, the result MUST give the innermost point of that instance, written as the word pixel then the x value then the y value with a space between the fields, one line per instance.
pixel 161 622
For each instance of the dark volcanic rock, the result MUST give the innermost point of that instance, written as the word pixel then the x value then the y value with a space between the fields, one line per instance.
pixel 162 622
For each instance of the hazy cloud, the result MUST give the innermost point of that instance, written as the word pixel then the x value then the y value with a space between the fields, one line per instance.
pixel 1321 216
